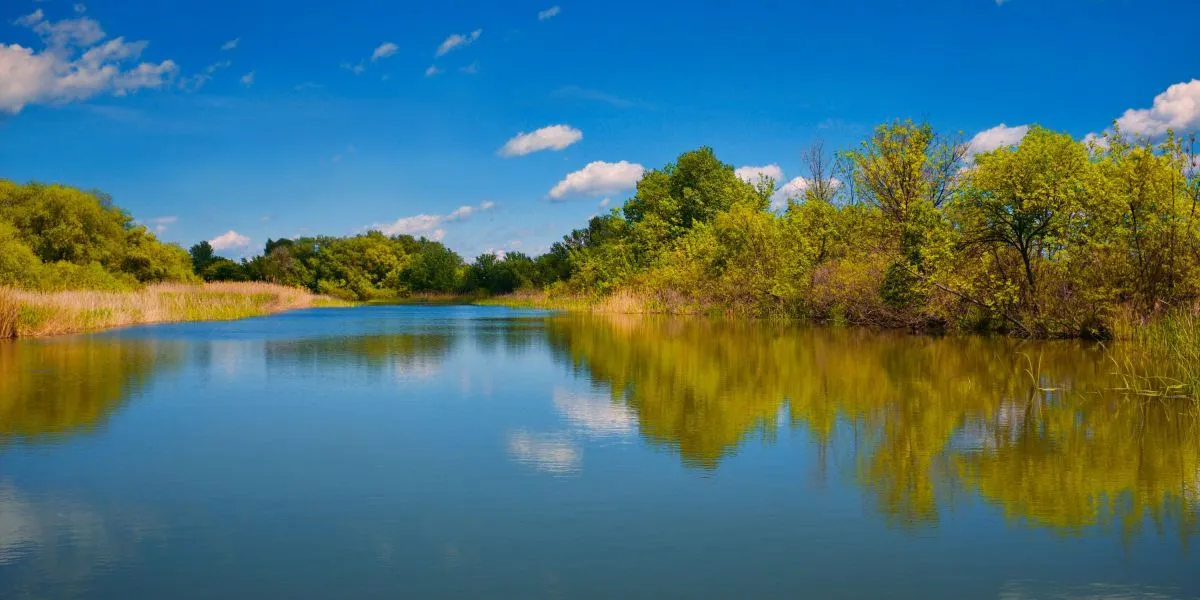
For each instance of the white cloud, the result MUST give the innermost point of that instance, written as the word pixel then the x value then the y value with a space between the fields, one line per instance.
pixel 456 40
pixel 792 189
pixel 384 50
pixel 461 212
pixel 599 177
pixel 604 203
pixel 419 225
pixel 795 189
pixel 73 66
pixel 231 44
pixel 1178 109
pixel 356 69
pixel 248 79
pixel 751 174
pixel 1099 140
pixel 80 7
pixel 65 34
pixel 228 240
pixel 471 69
pixel 997 137
pixel 430 226
pixel 549 13
pixel 432 70
pixel 553 137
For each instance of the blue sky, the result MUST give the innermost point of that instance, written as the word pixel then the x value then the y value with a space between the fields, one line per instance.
pixel 274 119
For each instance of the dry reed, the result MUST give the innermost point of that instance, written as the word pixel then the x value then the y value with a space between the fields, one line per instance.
pixel 26 313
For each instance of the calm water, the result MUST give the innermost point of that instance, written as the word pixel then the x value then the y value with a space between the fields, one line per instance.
pixel 463 452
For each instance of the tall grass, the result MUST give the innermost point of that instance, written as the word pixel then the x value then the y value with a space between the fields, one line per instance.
pixel 26 313
pixel 1159 356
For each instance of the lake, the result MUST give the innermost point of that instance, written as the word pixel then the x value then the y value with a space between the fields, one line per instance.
pixel 477 452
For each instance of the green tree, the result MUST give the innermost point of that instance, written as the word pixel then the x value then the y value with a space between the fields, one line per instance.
pixel 202 255
pixel 1031 200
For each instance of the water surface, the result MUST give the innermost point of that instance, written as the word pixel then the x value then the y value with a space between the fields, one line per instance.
pixel 467 452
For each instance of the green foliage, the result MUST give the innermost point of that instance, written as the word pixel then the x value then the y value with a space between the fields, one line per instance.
pixel 1052 237
pixel 202 255
pixel 370 266
pixel 223 269
pixel 502 275
pixel 55 237
pixel 19 266
pixel 62 276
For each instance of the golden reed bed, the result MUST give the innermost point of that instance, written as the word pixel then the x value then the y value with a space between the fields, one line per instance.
pixel 26 313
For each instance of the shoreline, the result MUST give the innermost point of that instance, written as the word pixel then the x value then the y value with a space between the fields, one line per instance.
pixel 33 314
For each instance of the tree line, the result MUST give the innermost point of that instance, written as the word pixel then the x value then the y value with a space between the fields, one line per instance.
pixel 375 267
pixel 1049 237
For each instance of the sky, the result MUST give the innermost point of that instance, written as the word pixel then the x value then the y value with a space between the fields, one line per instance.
pixel 500 126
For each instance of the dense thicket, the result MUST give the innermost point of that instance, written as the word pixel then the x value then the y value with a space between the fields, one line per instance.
pixel 55 237
pixel 1050 237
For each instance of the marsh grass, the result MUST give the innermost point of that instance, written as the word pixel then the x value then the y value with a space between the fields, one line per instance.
pixel 1160 356
pixel 34 314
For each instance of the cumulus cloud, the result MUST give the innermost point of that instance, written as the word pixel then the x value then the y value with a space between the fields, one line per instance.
pixel 1177 109
pixel 751 174
pixel 248 79
pixel 598 177
pixel 231 44
pixel 384 50
pixel 73 65
pixel 553 137
pixel 997 137
pixel 457 40
pixel 229 240
pixel 353 68
pixel 792 189
pixel 432 70
pixel 430 226
pixel 549 13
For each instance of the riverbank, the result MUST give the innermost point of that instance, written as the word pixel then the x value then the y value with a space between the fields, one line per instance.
pixel 26 313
